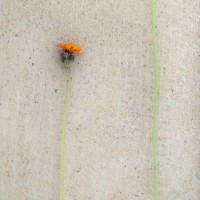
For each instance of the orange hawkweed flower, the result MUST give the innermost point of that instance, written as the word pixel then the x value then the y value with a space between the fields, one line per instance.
pixel 70 47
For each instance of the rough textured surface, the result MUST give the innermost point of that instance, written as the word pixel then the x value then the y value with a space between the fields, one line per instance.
pixel 108 152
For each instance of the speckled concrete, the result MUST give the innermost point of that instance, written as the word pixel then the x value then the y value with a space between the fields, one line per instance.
pixel 108 153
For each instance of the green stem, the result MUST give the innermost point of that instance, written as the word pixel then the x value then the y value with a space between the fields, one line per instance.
pixel 63 138
pixel 155 106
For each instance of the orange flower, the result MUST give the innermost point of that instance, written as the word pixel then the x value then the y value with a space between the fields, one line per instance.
pixel 70 47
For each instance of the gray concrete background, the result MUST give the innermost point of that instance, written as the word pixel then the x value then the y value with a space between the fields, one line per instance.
pixel 108 154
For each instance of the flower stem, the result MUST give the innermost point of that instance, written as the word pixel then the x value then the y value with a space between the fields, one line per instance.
pixel 63 138
pixel 155 105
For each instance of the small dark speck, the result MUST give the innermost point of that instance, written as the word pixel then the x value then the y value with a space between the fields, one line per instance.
pixel 56 90
pixel 16 35
pixel 32 64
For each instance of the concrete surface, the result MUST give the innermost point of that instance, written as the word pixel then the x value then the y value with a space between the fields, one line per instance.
pixel 108 154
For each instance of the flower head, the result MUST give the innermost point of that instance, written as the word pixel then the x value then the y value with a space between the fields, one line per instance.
pixel 69 50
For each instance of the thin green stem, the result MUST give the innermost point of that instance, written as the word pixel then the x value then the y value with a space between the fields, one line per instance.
pixel 63 138
pixel 155 105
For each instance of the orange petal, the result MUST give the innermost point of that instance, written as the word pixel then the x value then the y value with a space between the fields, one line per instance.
pixel 62 46
pixel 70 47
